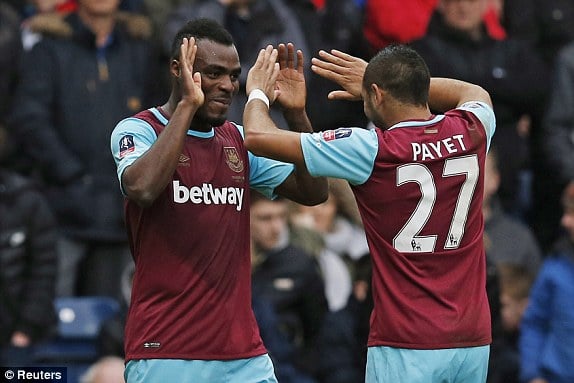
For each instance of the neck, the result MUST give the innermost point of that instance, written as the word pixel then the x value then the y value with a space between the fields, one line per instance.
pixel 101 25
pixel 404 113
pixel 169 109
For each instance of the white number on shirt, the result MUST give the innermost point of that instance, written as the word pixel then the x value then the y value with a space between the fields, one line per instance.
pixel 408 239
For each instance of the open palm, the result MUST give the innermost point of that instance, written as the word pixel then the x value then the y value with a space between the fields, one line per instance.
pixel 291 80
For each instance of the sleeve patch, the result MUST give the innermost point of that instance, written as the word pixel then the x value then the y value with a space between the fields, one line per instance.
pixel 330 135
pixel 127 145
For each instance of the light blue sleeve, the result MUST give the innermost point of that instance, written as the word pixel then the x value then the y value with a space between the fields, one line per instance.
pixel 266 174
pixel 485 114
pixel 130 139
pixel 347 153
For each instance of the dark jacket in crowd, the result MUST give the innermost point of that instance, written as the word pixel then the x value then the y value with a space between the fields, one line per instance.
pixel 27 259
pixel 70 97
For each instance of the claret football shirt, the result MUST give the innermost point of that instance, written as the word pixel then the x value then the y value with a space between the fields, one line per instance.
pixel 191 295
pixel 419 187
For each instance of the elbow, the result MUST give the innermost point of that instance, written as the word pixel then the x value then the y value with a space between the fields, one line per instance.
pixel 320 198
pixel 319 195
pixel 143 197
pixel 251 143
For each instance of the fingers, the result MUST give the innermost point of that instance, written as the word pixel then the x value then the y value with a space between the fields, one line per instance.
pixel 282 48
pixel 317 64
pixel 266 59
pixel 289 58
pixel 341 95
pixel 188 51
pixel 300 61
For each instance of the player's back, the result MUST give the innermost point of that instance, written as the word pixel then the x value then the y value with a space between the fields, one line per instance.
pixel 421 208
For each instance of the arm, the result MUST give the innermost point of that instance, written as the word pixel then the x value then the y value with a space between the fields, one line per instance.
pixel 446 94
pixel 347 71
pixel 285 83
pixel 148 176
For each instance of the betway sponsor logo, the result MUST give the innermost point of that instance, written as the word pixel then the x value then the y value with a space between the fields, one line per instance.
pixel 207 194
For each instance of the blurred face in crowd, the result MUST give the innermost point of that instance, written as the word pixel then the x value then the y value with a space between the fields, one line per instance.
pixel 268 223
pixel 464 15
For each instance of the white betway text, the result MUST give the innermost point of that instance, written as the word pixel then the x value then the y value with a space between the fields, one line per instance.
pixel 208 194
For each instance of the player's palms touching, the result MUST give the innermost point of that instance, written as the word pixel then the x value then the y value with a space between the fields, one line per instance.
pixel 291 80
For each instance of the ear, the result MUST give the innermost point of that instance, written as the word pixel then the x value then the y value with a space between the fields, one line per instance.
pixel 174 68
pixel 379 94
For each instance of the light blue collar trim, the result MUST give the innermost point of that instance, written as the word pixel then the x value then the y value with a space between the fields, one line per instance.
pixel 415 124
pixel 159 116
pixel 190 132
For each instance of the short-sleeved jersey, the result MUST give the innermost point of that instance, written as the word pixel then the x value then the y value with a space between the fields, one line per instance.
pixel 191 294
pixel 419 187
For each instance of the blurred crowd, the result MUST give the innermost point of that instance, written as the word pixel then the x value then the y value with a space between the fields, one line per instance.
pixel 71 69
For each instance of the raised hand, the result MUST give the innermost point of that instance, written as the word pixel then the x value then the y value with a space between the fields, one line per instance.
pixel 291 80
pixel 343 69
pixel 190 82
pixel 263 74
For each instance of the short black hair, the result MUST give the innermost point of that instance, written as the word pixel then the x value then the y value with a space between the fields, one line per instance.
pixel 201 28
pixel 402 72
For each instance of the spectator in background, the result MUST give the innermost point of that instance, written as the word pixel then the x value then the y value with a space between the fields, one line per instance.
pixel 290 281
pixel 557 143
pixel 28 266
pixel 95 70
pixel 38 14
pixel 344 244
pixel 546 332
pixel 514 287
pixel 507 240
pixel 548 26
pixel 508 243
pixel 509 69
pixel 399 21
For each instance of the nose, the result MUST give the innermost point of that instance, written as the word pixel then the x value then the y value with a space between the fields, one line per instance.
pixel 226 83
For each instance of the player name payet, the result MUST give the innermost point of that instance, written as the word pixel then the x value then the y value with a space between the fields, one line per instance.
pixel 438 149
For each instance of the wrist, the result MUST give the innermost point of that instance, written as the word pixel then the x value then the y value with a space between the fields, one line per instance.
pixel 258 94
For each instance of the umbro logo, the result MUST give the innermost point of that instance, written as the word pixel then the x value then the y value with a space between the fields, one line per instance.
pixel 183 160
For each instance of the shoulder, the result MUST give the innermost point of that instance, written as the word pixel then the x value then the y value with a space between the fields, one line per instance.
pixel 137 26
pixel 51 24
